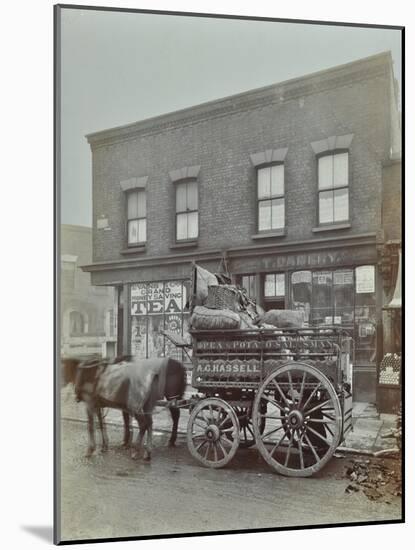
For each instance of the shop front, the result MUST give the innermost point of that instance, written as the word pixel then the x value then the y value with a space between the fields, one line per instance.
pixel 332 285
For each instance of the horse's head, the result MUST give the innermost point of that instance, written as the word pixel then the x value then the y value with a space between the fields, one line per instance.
pixel 176 379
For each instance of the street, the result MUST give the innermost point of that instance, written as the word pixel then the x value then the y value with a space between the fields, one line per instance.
pixel 111 495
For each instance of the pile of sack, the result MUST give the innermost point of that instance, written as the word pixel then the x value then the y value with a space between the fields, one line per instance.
pixel 216 304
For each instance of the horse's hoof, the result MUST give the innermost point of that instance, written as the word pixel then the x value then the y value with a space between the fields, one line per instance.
pixel 147 458
pixel 89 453
pixel 104 450
pixel 171 444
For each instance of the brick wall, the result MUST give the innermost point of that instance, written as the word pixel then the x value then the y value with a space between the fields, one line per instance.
pixel 222 143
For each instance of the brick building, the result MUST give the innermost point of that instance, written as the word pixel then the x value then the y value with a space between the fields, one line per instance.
pixel 285 180
pixel 88 316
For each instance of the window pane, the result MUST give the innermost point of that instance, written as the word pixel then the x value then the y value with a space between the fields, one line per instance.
pixel 264 218
pixel 341 204
pixel 341 169
pixel 326 206
pixel 274 285
pixel 181 227
pixel 278 213
pixel 277 180
pixel 192 225
pixel 343 289
pixel 132 207
pixel 269 286
pixel 301 292
pixel 181 201
pixel 325 172
pixel 133 232
pixel 321 309
pixel 142 230
pixel 142 206
pixel 264 183
pixel 192 195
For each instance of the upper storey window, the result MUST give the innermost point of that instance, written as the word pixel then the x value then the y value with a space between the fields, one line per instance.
pixel 271 200
pixel 333 188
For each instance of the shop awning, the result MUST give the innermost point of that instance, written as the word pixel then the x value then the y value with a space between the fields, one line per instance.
pixel 396 302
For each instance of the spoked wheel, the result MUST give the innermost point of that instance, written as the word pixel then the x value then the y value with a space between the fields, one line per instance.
pixel 302 420
pixel 213 432
pixel 247 436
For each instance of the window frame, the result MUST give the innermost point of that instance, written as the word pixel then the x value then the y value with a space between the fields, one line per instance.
pixel 186 181
pixel 270 198
pixel 333 153
pixel 128 193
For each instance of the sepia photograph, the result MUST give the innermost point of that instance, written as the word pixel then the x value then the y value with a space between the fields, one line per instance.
pixel 229 259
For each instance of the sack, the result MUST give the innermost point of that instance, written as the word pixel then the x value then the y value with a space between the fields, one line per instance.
pixel 284 318
pixel 246 320
pixel 204 279
pixel 223 297
pixel 204 318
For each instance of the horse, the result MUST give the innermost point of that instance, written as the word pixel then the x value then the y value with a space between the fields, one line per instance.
pixel 131 385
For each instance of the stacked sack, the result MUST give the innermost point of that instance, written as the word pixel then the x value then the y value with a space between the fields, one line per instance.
pixel 220 306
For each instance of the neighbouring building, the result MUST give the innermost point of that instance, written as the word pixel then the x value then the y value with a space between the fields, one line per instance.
pixel 285 182
pixel 88 314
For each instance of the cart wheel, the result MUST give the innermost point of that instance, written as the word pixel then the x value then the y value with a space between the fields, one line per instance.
pixel 302 422
pixel 213 432
pixel 247 436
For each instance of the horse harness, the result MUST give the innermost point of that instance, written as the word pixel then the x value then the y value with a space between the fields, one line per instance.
pixel 99 366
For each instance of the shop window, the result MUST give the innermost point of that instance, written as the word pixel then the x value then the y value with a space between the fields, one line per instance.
pixel 333 188
pixel 274 290
pixel 365 315
pixel 343 296
pixel 301 292
pixel 248 283
pixel 187 215
pixel 136 217
pixel 322 298
pixel 271 201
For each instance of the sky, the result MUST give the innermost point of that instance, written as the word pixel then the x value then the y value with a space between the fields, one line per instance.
pixel 118 68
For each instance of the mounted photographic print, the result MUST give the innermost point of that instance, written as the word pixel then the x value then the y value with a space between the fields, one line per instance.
pixel 228 297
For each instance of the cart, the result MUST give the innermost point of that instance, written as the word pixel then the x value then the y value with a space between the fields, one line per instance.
pixel 287 391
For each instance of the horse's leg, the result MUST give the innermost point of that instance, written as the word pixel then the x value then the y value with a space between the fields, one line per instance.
pixel 149 442
pixel 103 429
pixel 127 431
pixel 141 420
pixel 91 431
pixel 175 415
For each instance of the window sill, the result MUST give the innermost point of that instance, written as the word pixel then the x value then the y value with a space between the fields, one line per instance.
pixel 332 227
pixel 134 249
pixel 269 235
pixel 184 244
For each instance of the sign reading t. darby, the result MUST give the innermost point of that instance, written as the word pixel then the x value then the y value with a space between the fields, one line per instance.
pixel 157 298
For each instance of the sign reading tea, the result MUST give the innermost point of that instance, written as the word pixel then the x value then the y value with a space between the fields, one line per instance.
pixel 157 298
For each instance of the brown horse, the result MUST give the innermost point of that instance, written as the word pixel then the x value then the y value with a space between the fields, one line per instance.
pixel 131 385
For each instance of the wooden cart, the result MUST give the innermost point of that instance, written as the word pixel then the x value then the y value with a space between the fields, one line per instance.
pixel 287 391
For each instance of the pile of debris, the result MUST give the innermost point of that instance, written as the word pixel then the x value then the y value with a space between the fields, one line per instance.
pixel 378 479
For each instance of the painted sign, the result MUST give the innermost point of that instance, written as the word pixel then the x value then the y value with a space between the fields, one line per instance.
pixel 157 298
pixel 365 279
pixel 228 367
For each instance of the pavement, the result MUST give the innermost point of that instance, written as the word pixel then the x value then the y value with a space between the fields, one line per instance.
pixel 369 426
